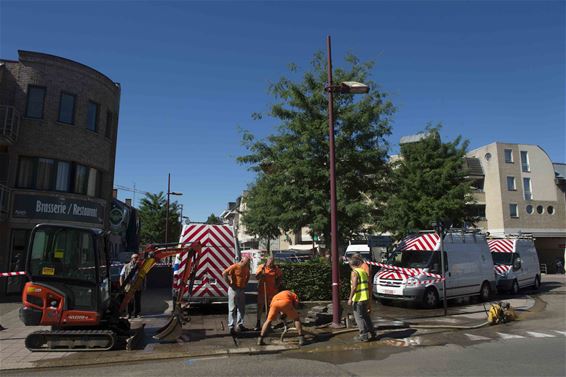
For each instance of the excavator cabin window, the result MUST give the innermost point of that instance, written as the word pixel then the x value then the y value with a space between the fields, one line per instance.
pixel 63 253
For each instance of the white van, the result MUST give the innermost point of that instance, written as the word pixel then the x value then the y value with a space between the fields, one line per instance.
pixel 468 266
pixel 362 249
pixel 515 262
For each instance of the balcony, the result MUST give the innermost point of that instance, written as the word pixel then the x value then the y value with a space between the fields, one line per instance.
pixel 9 124
pixel 4 202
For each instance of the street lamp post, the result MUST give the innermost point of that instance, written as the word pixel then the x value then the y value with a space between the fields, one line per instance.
pixel 169 193
pixel 344 87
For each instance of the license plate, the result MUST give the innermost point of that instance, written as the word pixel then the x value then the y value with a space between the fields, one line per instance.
pixel 392 292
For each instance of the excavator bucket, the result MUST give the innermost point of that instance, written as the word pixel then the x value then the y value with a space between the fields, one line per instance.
pixel 171 331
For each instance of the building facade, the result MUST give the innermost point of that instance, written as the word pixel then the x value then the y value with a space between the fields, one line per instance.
pixel 522 191
pixel 58 131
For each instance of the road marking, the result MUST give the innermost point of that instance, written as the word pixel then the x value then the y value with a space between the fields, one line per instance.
pixel 560 332
pixel 476 337
pixel 509 336
pixel 539 334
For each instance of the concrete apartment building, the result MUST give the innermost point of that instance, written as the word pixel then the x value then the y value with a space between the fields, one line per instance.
pixel 521 190
pixel 58 130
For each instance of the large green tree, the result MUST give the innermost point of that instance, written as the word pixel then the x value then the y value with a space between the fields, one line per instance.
pixel 213 219
pixel 262 215
pixel 153 213
pixel 430 185
pixel 292 187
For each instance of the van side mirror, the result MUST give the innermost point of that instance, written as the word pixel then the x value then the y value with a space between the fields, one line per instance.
pixel 517 264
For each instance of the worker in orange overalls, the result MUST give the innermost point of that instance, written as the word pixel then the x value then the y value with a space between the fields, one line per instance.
pixel 285 302
pixel 269 281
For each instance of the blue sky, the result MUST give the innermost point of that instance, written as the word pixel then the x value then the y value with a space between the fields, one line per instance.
pixel 192 73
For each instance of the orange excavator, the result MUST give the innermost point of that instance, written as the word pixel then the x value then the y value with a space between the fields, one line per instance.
pixel 70 290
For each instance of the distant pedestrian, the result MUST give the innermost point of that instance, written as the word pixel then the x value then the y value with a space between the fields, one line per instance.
pixel 237 277
pixel 269 281
pixel 285 302
pixel 134 306
pixel 359 298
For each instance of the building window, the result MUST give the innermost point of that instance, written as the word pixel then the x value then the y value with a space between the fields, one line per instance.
pixel 540 210
pixel 81 179
pixel 550 210
pixel 36 99
pixel 511 184
pixel 525 162
pixel 108 130
pixel 25 172
pixel 63 176
pixel 92 182
pixel 513 211
pixel 45 169
pixel 92 119
pixel 530 209
pixel 527 188
pixel 67 108
pixel 508 155
pixel 477 210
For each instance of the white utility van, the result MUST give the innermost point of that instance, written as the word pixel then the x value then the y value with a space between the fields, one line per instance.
pixel 515 262
pixel 468 267
pixel 362 249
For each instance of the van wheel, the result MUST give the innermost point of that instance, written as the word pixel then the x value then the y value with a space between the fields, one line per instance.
pixel 515 288
pixel 430 299
pixel 485 291
pixel 536 285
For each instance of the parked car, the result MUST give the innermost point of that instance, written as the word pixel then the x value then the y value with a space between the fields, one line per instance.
pixel 468 269
pixel 515 262
pixel 115 269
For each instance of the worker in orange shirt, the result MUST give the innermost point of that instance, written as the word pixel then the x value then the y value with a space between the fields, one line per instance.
pixel 269 281
pixel 237 276
pixel 285 302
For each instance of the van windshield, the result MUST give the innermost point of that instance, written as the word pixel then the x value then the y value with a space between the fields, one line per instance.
pixel 502 258
pixel 411 259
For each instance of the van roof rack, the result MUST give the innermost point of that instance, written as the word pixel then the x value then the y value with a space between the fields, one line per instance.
pixel 520 235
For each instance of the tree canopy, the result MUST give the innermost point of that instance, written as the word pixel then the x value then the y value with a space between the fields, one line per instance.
pixel 430 185
pixel 213 219
pixel 153 213
pixel 292 187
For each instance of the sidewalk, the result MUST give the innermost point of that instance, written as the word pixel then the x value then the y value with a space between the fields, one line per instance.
pixel 206 334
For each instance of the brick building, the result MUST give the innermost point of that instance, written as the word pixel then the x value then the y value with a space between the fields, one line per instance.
pixel 58 130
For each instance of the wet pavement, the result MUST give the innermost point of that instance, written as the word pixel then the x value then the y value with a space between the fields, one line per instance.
pixel 206 334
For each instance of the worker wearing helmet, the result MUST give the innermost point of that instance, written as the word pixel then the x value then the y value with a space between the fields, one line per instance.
pixel 269 280
pixel 285 302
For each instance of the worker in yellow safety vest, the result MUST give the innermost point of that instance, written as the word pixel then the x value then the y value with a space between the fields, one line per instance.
pixel 359 299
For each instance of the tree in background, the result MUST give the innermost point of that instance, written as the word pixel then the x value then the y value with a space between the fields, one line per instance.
pixel 262 216
pixel 292 188
pixel 153 214
pixel 430 185
pixel 213 219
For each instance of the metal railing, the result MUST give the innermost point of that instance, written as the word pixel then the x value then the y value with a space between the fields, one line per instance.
pixel 9 123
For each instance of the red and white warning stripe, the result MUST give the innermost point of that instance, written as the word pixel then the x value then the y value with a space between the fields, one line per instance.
pixel 9 274
pixel 501 245
pixel 390 272
pixel 421 242
pixel 501 269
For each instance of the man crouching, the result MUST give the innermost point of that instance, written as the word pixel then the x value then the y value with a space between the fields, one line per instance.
pixel 285 302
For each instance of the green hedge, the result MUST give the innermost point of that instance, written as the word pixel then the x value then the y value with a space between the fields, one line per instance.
pixel 312 281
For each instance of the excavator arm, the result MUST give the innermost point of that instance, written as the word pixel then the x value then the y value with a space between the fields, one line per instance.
pixel 153 254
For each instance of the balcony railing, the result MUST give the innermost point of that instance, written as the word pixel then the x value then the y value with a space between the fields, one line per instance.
pixel 9 124
pixel 4 202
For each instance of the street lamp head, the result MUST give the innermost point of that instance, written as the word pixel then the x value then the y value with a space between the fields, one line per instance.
pixel 176 193
pixel 353 87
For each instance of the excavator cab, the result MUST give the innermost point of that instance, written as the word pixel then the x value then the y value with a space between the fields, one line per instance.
pixel 69 277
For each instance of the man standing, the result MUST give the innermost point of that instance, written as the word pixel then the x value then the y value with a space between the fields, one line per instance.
pixel 285 302
pixel 134 306
pixel 237 276
pixel 269 280
pixel 359 298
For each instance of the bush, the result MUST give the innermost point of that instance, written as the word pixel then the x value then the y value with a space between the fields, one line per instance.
pixel 312 281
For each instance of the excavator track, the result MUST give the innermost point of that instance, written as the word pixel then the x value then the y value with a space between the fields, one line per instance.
pixel 71 340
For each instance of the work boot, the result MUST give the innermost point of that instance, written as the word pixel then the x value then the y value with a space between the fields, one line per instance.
pixel 242 328
pixel 260 341
pixel 301 340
